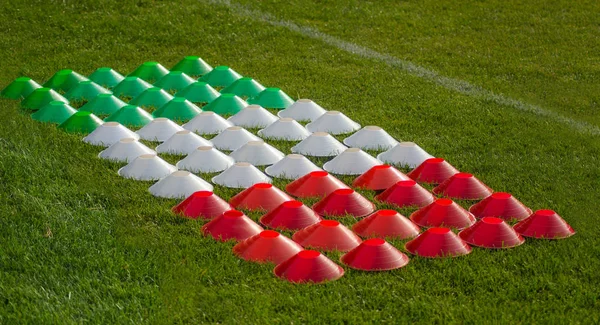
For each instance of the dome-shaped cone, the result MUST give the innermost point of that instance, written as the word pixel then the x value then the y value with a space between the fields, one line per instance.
pixel 253 116
pixel 131 87
pixel 221 76
pixel 241 175
pixel 130 116
pixel 268 246
pixel 375 254
pixel 378 178
pixel 292 166
pixel 333 122
pixel 233 138
pixel 41 97
pixel 178 109
pixel 343 202
pixel 284 129
pixel 260 196
pixel 192 66
pixel 198 92
pixel 371 138
pixel 405 154
pixel 406 194
pixel 244 87
pixel 231 224
pixel 152 97
pixel 159 130
pixel 463 186
pixel 81 122
pixel 386 224
pixel 19 88
pixel 319 144
pixel 315 184
pixel 86 90
pixel 433 170
pixel 103 104
pixel 501 205
pixel 258 153
pixel 206 159
pixel 202 204
pixel 64 80
pixel 150 71
pixel 108 134
pixel 327 235
pixel 352 161
pixel 174 80
pixel 290 215
pixel 208 123
pixel 443 213
pixel 179 185
pixel 147 167
pixel 125 150
pixel 273 98
pixel 182 143
pixel 54 112
pixel 226 104
pixel 438 242
pixel 491 232
pixel 106 77
pixel 303 110
pixel 544 224
pixel 308 266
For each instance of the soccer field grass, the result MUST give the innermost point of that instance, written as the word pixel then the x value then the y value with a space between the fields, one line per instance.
pixel 514 100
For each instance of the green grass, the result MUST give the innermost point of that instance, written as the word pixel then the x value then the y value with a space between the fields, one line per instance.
pixel 80 244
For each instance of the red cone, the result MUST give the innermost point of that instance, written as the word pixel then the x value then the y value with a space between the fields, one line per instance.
pixel 463 186
pixel 386 223
pixel 491 232
pixel 260 196
pixel 500 205
pixel 342 202
pixel 433 170
pixel 232 224
pixel 268 246
pixel 290 215
pixel 544 224
pixel 375 255
pixel 438 242
pixel 327 235
pixel 443 213
pixel 308 266
pixel 202 204
pixel 406 194
pixel 379 178
pixel 317 183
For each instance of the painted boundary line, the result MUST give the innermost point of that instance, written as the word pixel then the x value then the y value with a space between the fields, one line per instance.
pixel 457 85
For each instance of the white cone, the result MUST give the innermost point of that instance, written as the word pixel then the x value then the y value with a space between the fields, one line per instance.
pixel 405 154
pixel 125 150
pixel 160 129
pixel 147 167
pixel 233 138
pixel 258 153
pixel 205 159
pixel 108 134
pixel 207 123
pixel 303 110
pixel 182 143
pixel 253 116
pixel 241 175
pixel 333 122
pixel 285 129
pixel 353 161
pixel 293 166
pixel 179 185
pixel 319 144
pixel 371 138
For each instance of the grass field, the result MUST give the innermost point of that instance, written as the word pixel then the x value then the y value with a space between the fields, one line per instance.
pixel 80 244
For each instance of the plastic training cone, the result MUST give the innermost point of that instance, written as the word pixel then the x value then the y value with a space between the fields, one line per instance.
pixel 544 224
pixel 150 71
pixel 443 213
pixel 125 150
pixel 303 110
pixel 273 98
pixel 202 204
pixel 179 185
pixel 233 138
pixel 344 202
pixel 386 223
pixel 147 167
pixel 260 196
pixel 106 77
pixel 405 154
pixel 103 104
pixel 352 161
pixel 54 112
pixel 268 246
pixel 319 144
pixel 258 153
pixel 152 97
pixel 501 205
pixel 160 130
pixel 284 129
pixel 193 66
pixel 205 159
pixel 19 88
pixel 108 134
pixel 182 143
pixel 131 87
pixel 130 116
pixel 244 87
pixel 41 97
pixel 81 122
pixel 231 224
pixel 406 194
pixel 433 170
pixel 226 104
pixel 178 109
pixel 253 116
pixel 371 138
pixel 240 175
pixel 379 177
pixel 438 242
pixel 308 266
pixel 463 186
pixel 333 122
pixel 221 76
pixel 290 215
pixel 327 235
pixel 207 123
pixel 175 81
pixel 198 92
pixel 491 232
pixel 64 80
pixel 292 166
pixel 86 90
pixel 375 254
pixel 315 184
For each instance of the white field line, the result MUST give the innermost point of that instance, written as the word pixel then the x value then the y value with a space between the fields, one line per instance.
pixel 453 84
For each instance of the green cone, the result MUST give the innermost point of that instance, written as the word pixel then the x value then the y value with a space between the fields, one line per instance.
pixel 150 71
pixel 131 87
pixel 130 116
pixel 86 90
pixel 106 77
pixel 272 98
pixel 19 88
pixel 103 104
pixel 221 76
pixel 81 122
pixel 64 80
pixel 40 97
pixel 198 92
pixel 174 80
pixel 192 66
pixel 54 112
pixel 154 97
pixel 244 87
pixel 178 109
pixel 226 104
